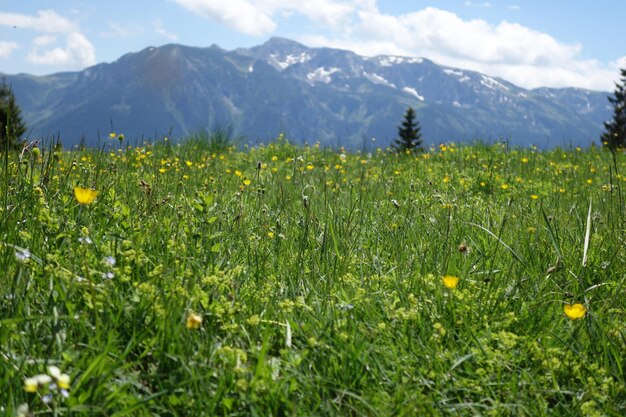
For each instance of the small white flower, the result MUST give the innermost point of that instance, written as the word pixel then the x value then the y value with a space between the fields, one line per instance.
pixel 22 255
pixel 109 260
pixel 108 275
pixel 54 372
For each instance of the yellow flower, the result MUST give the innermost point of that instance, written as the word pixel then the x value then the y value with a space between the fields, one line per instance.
pixel 31 384
pixel 450 281
pixel 194 321
pixel 534 196
pixel 247 182
pixel 63 381
pixel 85 195
pixel 112 135
pixel 575 311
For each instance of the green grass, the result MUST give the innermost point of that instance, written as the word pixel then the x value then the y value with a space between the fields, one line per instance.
pixel 318 279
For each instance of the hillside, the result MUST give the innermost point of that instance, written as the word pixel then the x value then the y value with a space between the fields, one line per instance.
pixel 313 94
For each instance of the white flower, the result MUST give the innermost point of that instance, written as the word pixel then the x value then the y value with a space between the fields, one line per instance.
pixel 22 255
pixel 54 372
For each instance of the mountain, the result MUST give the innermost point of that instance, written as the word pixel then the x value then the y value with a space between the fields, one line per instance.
pixel 312 94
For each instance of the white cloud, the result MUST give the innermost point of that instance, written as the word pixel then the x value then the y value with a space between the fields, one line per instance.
pixel 514 52
pixel 75 52
pixel 527 57
pixel 242 15
pixel 47 21
pixel 474 4
pixel 44 40
pixel 257 17
pixel 7 48
pixel 159 29
pixel 118 30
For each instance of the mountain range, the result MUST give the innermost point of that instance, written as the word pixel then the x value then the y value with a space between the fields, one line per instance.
pixel 328 95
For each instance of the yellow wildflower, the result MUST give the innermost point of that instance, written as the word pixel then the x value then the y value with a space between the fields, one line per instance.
pixel 85 195
pixel 574 311
pixel 194 321
pixel 31 384
pixel 450 281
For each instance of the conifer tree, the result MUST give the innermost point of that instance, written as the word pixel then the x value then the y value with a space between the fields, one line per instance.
pixel 11 125
pixel 615 135
pixel 409 135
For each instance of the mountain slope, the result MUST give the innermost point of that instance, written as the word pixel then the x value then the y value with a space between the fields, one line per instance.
pixel 313 94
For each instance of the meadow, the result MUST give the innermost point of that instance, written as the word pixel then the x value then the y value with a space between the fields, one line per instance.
pixel 199 279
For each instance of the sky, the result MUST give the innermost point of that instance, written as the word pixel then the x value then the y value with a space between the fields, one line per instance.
pixel 532 43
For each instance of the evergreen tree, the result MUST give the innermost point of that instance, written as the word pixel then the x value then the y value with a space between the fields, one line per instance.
pixel 410 137
pixel 615 135
pixel 11 125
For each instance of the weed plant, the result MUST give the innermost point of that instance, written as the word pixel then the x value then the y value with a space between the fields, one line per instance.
pixel 191 280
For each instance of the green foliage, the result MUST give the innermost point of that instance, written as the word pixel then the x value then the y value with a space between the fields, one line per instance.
pixel 615 135
pixel 409 136
pixel 219 139
pixel 11 125
pixel 289 280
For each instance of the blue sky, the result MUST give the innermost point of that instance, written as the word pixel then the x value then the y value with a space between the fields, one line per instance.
pixel 530 43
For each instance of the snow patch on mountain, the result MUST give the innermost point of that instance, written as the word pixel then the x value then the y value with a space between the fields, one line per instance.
pixel 492 83
pixel 378 79
pixel 413 92
pixel 322 75
pixel 456 73
pixel 388 61
pixel 289 60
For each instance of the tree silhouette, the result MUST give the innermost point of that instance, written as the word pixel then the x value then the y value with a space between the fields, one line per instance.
pixel 409 135
pixel 11 124
pixel 615 135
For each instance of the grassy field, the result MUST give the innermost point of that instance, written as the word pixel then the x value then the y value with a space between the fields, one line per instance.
pixel 282 280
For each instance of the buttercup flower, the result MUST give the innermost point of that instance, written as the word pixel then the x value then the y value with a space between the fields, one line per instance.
pixel 575 311
pixel 194 321
pixel 85 196
pixel 450 281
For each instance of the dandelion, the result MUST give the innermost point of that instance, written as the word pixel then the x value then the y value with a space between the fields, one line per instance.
pixel 85 196
pixel 247 182
pixel 194 321
pixel 450 281
pixel 534 196
pixel 575 311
